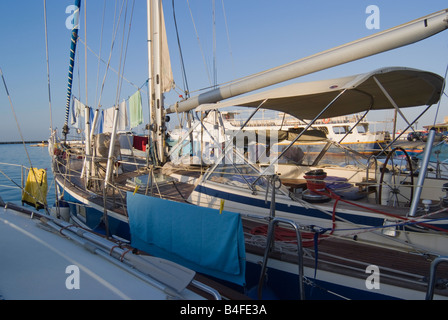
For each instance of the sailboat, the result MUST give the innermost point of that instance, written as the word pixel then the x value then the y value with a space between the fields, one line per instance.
pixel 208 217
pixel 361 138
pixel 50 254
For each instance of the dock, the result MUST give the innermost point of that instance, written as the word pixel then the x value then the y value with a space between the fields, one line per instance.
pixel 26 142
pixel 412 147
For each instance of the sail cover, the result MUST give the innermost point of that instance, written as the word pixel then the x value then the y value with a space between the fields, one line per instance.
pixel 167 74
pixel 199 238
pixel 407 87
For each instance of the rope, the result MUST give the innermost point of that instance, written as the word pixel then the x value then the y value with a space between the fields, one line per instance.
pixel 110 55
pixel 18 128
pixel 120 81
pixel 48 64
pixel 182 64
pixel 124 253
pixel 284 235
pixel 332 195
pixel 101 48
pixel 199 43
pixel 228 35
pixel 443 90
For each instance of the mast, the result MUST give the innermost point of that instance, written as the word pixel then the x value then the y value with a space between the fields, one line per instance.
pixel 74 41
pixel 393 38
pixel 150 72
pixel 157 125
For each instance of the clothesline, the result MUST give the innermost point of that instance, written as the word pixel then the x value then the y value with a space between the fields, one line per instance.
pixel 106 116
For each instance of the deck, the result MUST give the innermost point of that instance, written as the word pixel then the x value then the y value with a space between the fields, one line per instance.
pixel 345 257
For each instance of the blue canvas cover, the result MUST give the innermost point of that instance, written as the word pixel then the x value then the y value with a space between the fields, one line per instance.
pixel 439 153
pixel 198 238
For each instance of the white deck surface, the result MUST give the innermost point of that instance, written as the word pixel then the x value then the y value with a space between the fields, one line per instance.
pixel 33 264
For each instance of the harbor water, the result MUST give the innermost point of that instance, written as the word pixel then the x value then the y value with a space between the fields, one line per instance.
pixel 15 161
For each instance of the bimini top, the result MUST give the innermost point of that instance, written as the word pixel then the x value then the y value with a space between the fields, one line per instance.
pixel 405 87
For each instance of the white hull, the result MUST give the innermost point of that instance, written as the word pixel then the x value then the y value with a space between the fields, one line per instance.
pixel 40 264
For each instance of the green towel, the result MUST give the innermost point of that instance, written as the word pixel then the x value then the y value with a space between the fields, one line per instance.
pixel 135 109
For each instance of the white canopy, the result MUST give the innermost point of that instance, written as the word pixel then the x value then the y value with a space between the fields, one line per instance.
pixel 407 88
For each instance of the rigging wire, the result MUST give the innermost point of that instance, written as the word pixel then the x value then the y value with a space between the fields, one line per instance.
pixel 99 55
pixel 48 65
pixel 49 88
pixel 119 81
pixel 182 63
pixel 215 71
pixel 15 116
pixel 20 131
pixel 126 48
pixel 110 55
pixel 85 51
pixel 443 90
pixel 213 83
pixel 228 35
pixel 199 42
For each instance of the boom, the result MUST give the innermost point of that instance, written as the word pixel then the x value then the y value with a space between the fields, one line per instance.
pixel 390 39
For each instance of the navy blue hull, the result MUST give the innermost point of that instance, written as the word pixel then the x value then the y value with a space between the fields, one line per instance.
pixel 94 220
pixel 279 284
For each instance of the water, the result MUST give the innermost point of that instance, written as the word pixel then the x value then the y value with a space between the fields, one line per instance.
pixel 10 175
pixel 12 158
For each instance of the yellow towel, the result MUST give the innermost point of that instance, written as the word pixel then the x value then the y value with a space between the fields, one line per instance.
pixel 36 188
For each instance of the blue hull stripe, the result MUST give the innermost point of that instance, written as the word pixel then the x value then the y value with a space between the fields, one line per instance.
pixel 292 209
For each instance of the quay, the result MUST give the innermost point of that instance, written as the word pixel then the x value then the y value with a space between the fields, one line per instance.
pixel 26 142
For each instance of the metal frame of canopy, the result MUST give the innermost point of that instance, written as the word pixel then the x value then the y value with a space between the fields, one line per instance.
pixel 407 87
pixel 393 38
pixel 387 88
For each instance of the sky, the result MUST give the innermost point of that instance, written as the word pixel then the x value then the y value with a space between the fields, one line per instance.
pixel 245 37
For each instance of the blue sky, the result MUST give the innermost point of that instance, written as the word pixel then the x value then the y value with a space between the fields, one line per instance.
pixel 261 34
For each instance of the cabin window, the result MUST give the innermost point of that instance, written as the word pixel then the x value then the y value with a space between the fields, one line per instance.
pixel 238 175
pixel 362 128
pixel 299 154
pixel 339 130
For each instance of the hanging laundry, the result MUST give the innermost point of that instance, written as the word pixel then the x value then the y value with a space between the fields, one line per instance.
pixel 122 118
pixel 99 121
pixel 108 123
pixel 79 108
pixel 135 109
pixel 73 118
pixel 77 113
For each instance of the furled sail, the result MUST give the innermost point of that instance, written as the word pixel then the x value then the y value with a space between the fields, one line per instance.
pixel 166 72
